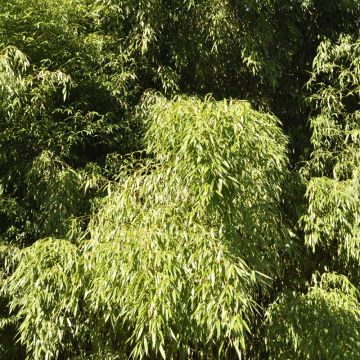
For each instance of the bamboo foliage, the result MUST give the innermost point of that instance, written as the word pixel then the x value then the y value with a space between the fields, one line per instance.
pixel 333 216
pixel 170 267
pixel 179 229
pixel 46 298
pixel 324 323
pixel 216 153
pixel 141 218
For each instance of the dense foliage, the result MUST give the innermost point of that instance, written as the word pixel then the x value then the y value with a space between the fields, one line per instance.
pixel 179 179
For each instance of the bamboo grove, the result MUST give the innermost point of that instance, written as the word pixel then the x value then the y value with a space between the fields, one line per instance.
pixel 179 179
